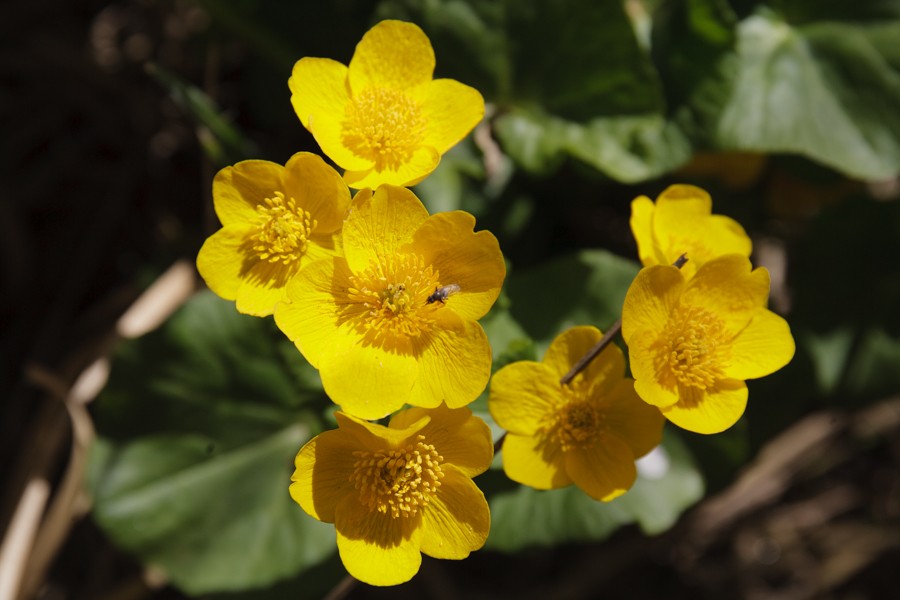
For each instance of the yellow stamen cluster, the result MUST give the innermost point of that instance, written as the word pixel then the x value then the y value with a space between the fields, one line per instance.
pixel 390 296
pixel 384 126
pixel 398 482
pixel 576 422
pixel 695 346
pixel 282 230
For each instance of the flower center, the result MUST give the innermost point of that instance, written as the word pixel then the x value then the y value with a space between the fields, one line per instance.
pixel 282 230
pixel 398 482
pixel 576 422
pixel 389 299
pixel 384 126
pixel 695 347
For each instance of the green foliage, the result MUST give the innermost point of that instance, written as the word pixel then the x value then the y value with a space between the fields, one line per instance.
pixel 199 425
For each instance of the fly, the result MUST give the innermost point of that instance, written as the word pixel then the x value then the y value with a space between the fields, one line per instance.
pixel 443 292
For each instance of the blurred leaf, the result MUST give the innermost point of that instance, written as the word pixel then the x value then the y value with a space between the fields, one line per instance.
pixel 667 484
pixel 587 288
pixel 594 95
pixel 223 142
pixel 627 148
pixel 199 425
pixel 825 89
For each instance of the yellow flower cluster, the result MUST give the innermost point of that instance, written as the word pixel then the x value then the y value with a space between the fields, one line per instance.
pixel 384 300
pixel 381 297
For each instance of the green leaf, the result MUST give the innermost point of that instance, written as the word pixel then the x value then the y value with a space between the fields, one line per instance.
pixel 593 96
pixel 667 484
pixel 198 427
pixel 585 288
pixel 827 90
pixel 627 148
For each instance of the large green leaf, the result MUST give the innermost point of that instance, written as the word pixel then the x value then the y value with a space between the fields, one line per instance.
pixel 822 83
pixel 667 484
pixel 199 424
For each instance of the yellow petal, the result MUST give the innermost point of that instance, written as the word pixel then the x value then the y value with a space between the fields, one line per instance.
pixel 457 520
pixel 367 381
pixel 650 299
pixel 571 345
pixel 635 422
pixel 462 439
pixel 312 319
pixel 239 189
pixel 711 412
pixel 727 287
pixel 321 477
pixel 320 94
pixel 263 286
pixel 378 437
pixel 221 261
pixel 641 222
pixel 380 224
pixel 534 462
pixel 454 363
pixel 604 471
pixel 375 548
pixel 318 189
pixel 644 358
pixel 453 109
pixel 423 161
pixel 472 261
pixel 522 393
pixel 763 347
pixel 392 54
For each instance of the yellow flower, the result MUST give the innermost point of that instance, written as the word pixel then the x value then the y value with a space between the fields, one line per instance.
pixel 398 491
pixel 693 342
pixel 274 220
pixel 383 118
pixel 681 222
pixel 588 432
pixel 376 323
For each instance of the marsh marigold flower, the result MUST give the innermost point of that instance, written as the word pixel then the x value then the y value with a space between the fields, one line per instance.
pixel 274 219
pixel 693 342
pixel 681 222
pixel 588 432
pixel 396 492
pixel 383 118
pixel 375 323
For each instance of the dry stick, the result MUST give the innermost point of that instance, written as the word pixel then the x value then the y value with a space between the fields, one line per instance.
pixel 591 354
pixel 614 329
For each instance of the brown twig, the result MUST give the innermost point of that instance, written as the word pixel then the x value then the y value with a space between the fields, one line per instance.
pixel 613 330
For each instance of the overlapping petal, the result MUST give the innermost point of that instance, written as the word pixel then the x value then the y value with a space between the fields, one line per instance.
pixel 457 520
pixel 276 219
pixel 471 260
pixel 534 462
pixel 605 471
pixel 368 323
pixel 681 222
pixel 691 345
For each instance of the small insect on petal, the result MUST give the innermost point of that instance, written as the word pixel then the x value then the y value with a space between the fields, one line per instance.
pixel 442 293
